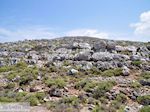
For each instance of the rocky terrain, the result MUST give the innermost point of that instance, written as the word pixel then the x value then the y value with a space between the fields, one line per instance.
pixel 76 74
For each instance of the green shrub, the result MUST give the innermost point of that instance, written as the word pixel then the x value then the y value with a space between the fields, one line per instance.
pixel 60 83
pixel 95 71
pixel 21 65
pixel 116 104
pixel 112 72
pixel 11 76
pixel 145 109
pixel 108 73
pixel 145 75
pixel 72 101
pixel 118 72
pixel 27 75
pixel 33 100
pixel 121 98
pixel 87 85
pixel 135 85
pixel 53 69
pixel 5 69
pixel 25 80
pixel 40 96
pixel 51 105
pixel 97 109
pixel 81 84
pixel 102 88
pixel 6 99
pixel 10 85
pixel 144 100
pixel 136 63
pixel 20 96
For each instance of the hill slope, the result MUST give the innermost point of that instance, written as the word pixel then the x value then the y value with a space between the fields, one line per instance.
pixel 76 74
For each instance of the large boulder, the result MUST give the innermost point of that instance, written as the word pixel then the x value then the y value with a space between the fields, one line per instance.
pixel 145 82
pixel 119 48
pixel 72 72
pixel 55 92
pixel 100 46
pixel 77 45
pixel 144 51
pixel 84 55
pixel 120 57
pixel 132 49
pixel 102 56
pixel 104 65
pixel 111 45
pixel 135 58
pixel 2 63
pixel 106 56
pixel 126 71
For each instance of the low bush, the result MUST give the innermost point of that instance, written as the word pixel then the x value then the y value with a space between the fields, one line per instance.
pixel 10 85
pixel 144 100
pixel 136 63
pixel 20 96
pixel 71 101
pixel 122 98
pixel 32 99
pixel 59 82
pixel 6 99
pixel 112 72
pixel 135 85
pixel 86 85
pixel 40 96
pixel 102 88
pixel 11 76
pixel 5 69
pixel 145 109
pixel 95 71
pixel 145 75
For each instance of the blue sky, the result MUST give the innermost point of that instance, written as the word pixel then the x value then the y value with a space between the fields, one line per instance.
pixel 112 19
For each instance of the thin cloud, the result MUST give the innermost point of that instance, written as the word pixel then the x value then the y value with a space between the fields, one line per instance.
pixel 142 28
pixel 87 32
pixel 26 33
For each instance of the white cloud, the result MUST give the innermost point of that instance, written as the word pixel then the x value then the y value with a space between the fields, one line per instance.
pixel 142 28
pixel 26 33
pixel 87 32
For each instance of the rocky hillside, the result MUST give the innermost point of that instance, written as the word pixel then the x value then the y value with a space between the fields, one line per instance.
pixel 76 74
